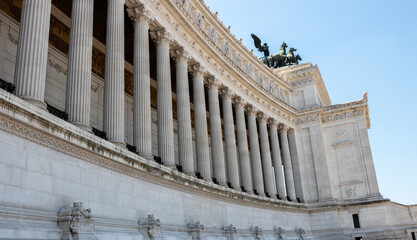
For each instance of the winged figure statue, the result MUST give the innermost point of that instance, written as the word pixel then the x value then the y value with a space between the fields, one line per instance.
pixel 258 44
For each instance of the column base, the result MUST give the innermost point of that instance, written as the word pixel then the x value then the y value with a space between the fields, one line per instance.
pixel 192 173
pixel 208 179
pixel 36 102
pixel 85 127
pixel 118 143
pixel 146 156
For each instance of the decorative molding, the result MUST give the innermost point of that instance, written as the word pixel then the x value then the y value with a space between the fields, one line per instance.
pixel 309 118
pixel 56 66
pixel 342 116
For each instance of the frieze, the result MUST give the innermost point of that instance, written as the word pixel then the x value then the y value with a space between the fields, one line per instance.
pixel 309 118
pixel 341 116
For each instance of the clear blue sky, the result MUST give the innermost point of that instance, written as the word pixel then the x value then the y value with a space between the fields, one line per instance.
pixel 359 46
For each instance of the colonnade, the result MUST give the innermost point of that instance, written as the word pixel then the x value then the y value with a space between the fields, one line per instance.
pixel 242 165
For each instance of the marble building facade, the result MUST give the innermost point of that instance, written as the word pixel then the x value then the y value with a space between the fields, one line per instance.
pixel 148 119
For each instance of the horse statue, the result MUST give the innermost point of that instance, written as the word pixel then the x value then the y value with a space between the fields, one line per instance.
pixel 291 59
pixel 278 59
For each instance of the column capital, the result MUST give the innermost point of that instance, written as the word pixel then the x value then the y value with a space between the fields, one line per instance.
pixel 161 36
pixel 198 69
pixel 181 55
pixel 262 117
pixel 283 128
pixel 226 93
pixel 272 122
pixel 250 109
pixel 139 14
pixel 212 82
pixel 238 101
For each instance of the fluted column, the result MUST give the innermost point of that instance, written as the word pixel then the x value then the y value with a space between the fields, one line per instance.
pixel 200 122
pixel 79 64
pixel 32 51
pixel 164 98
pixel 276 159
pixel 254 150
pixel 142 121
pixel 217 153
pixel 114 74
pixel 289 178
pixel 230 139
pixel 185 141
pixel 242 142
pixel 266 157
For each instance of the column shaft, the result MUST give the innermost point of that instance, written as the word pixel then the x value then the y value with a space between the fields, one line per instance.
pixel 32 51
pixel 255 154
pixel 164 98
pixel 217 152
pixel 78 96
pixel 230 139
pixel 114 74
pixel 142 119
pixel 242 141
pixel 266 158
pixel 185 141
pixel 289 178
pixel 276 158
pixel 200 120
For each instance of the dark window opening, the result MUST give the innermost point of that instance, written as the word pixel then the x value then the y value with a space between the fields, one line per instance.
pixel 358 238
pixel 356 223
pixel 413 235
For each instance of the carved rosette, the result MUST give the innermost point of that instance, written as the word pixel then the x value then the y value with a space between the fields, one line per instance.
pixel 140 14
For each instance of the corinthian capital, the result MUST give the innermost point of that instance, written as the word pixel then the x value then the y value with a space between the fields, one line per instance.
pixel 198 69
pixel 250 109
pixel 272 123
pixel 283 128
pixel 161 36
pixel 180 55
pixel 212 82
pixel 262 117
pixel 226 93
pixel 139 14
pixel 238 102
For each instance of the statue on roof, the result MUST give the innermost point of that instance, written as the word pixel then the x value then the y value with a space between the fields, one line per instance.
pixel 279 59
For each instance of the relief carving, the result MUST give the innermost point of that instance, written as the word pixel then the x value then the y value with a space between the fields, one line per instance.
pixel 76 222
pixel 152 226
pixel 300 233
pixel 257 232
pixel 341 116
